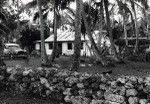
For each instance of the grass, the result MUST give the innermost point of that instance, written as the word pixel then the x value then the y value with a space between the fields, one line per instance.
pixel 8 98
pixel 129 68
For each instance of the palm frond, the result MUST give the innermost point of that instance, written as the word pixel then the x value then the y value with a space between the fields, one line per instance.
pixel 36 15
pixel 33 4
pixel 3 16
pixel 2 32
pixel 71 18
pixel 70 10
pixel 144 3
pixel 45 15
pixel 4 28
pixel 124 7
pixel 29 5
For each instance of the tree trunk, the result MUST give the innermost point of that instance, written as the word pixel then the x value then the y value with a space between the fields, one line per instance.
pixel 18 24
pixel 100 24
pixel 1 52
pixel 43 53
pixel 55 35
pixel 136 27
pixel 124 28
pixel 88 30
pixel 145 21
pixel 77 43
pixel 110 31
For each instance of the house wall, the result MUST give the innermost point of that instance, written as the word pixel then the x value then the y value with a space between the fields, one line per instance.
pixel 48 51
pixel 65 50
pixel 37 46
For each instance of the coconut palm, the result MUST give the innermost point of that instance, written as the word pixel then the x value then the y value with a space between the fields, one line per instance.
pixel 43 55
pixel 55 31
pixel 57 5
pixel 3 30
pixel 101 13
pixel 135 24
pixel 124 11
pixel 144 9
pixel 77 43
pixel 109 29
pixel 62 5
pixel 89 32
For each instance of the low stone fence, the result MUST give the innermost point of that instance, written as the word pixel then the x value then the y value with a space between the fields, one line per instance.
pixel 76 88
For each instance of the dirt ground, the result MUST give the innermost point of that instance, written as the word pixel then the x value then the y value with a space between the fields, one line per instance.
pixel 129 68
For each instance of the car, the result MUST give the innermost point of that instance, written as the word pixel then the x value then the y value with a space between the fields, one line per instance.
pixel 13 50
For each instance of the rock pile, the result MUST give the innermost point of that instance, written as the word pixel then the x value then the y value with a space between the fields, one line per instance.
pixel 77 88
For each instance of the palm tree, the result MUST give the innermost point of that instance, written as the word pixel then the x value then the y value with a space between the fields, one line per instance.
pixel 101 20
pixel 135 24
pixel 144 8
pixel 77 43
pixel 88 30
pixel 113 49
pixel 55 32
pixel 3 30
pixel 61 4
pixel 43 51
pixel 124 10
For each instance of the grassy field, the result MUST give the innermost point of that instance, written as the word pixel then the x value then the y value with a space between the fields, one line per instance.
pixel 129 68
pixel 8 98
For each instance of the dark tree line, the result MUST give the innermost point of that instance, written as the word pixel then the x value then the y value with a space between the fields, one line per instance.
pixel 30 35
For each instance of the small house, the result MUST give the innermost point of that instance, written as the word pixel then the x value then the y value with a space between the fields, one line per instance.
pixel 65 42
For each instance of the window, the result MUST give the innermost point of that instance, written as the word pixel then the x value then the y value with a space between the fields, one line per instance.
pixel 69 46
pixel 50 45
pixel 82 45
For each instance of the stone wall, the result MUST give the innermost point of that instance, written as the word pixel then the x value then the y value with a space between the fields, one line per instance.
pixel 77 88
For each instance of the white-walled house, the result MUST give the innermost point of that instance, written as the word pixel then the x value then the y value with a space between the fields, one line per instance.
pixel 65 41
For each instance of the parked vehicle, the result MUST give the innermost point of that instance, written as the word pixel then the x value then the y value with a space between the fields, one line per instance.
pixel 13 50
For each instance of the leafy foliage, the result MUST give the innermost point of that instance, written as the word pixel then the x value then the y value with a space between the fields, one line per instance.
pixel 29 36
pixel 124 7
pixel 2 16
pixel 4 29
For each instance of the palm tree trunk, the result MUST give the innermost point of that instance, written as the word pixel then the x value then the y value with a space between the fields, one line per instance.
pixel 77 43
pixel 18 23
pixel 136 27
pixel 1 51
pixel 100 24
pixel 124 28
pixel 43 55
pixel 146 20
pixel 88 30
pixel 110 31
pixel 55 35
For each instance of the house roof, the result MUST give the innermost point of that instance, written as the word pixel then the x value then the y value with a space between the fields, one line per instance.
pixel 67 36
pixel 63 36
